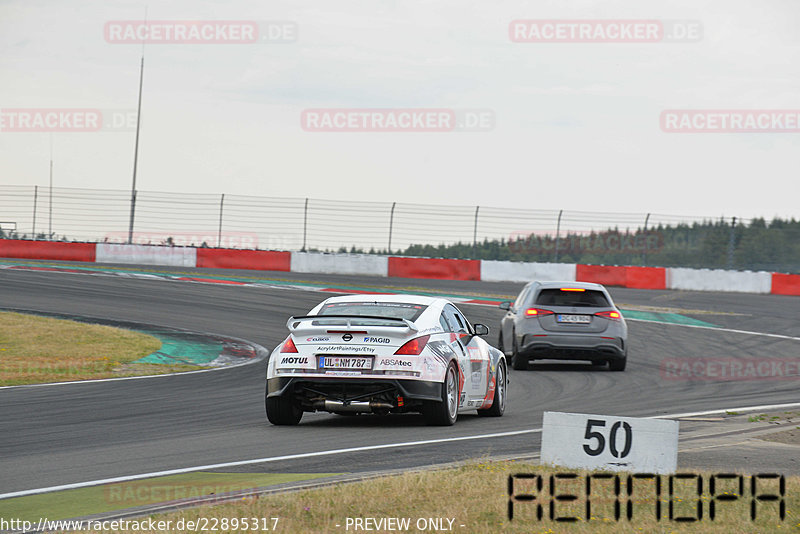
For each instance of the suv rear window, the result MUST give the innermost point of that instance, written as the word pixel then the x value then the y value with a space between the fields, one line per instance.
pixel 398 310
pixel 558 297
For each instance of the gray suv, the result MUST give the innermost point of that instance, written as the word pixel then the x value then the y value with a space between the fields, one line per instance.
pixel 564 321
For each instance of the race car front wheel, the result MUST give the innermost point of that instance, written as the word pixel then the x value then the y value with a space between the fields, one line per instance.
pixel 282 411
pixel 444 413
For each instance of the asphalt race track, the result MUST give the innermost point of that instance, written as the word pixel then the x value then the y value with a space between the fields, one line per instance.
pixel 65 434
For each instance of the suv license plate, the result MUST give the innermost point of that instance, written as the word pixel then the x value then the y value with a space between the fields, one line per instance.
pixel 574 319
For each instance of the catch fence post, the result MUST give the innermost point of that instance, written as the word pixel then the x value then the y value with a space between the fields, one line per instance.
pixel 219 233
pixel 305 225
pixel 558 232
pixel 391 225
pixel 644 257
pixel 35 198
pixel 475 234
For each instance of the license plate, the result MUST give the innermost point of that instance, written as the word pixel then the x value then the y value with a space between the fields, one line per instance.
pixel 574 319
pixel 345 362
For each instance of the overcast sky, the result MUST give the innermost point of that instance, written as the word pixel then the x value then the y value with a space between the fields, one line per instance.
pixel 575 125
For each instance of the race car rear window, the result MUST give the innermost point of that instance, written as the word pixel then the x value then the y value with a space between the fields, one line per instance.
pixel 396 310
pixel 558 297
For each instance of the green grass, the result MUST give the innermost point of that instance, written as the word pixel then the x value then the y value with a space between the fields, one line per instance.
pixel 111 497
pixel 36 349
pixel 475 497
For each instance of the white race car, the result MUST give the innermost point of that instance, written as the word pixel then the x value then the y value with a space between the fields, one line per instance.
pixel 381 354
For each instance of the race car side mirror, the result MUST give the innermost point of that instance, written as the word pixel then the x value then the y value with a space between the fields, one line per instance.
pixel 481 329
pixel 505 305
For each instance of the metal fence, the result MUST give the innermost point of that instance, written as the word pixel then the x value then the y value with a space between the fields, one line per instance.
pixel 285 223
pixel 237 221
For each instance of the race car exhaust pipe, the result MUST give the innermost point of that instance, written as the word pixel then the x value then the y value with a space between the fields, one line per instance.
pixel 354 406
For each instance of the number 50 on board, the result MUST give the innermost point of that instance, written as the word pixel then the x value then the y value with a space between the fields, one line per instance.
pixel 608 442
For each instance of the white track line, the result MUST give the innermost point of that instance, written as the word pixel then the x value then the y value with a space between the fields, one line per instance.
pixel 261 460
pixel 718 328
pixel 224 465
pixel 118 379
pixel 742 409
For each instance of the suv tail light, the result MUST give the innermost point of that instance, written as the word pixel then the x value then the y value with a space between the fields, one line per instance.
pixel 613 315
pixel 288 345
pixel 414 346
pixel 537 312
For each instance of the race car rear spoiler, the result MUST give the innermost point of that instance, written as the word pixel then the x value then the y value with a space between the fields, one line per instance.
pixel 347 321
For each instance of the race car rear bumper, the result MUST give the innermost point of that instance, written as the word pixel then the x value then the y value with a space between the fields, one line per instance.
pixel 354 390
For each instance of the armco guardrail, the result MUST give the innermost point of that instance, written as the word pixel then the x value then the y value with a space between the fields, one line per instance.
pixel 406 267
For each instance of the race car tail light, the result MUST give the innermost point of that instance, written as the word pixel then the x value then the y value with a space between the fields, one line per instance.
pixel 613 315
pixel 414 346
pixel 572 289
pixel 537 312
pixel 288 345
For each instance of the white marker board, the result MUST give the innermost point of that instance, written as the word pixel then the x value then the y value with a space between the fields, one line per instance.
pixel 609 442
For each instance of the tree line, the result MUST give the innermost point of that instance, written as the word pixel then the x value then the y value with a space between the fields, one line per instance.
pixel 758 245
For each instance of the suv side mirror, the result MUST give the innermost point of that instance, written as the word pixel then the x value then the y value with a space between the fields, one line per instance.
pixel 505 305
pixel 481 329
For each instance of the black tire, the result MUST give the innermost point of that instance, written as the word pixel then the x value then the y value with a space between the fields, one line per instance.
pixel 445 412
pixel 282 411
pixel 500 391
pixel 617 364
pixel 518 361
pixel 500 346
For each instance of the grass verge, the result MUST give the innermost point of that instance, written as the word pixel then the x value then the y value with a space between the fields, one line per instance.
pixel 474 498
pixel 124 495
pixel 36 349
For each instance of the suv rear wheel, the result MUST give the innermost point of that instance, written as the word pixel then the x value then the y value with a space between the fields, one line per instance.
pixel 518 361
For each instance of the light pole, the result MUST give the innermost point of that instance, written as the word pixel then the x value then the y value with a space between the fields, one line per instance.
pixel 136 149
pixel 50 192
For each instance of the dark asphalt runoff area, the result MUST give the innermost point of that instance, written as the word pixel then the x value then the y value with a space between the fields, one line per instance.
pixel 72 433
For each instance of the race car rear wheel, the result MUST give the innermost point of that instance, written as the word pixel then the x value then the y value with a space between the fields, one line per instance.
pixel 444 413
pixel 500 388
pixel 282 411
